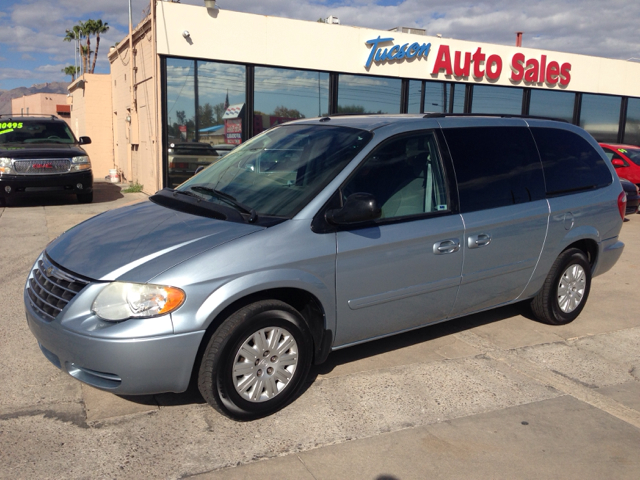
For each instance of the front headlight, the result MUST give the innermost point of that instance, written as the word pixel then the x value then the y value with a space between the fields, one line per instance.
pixel 5 165
pixel 80 163
pixel 120 301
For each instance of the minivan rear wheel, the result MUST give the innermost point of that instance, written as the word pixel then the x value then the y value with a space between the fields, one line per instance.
pixel 257 360
pixel 566 289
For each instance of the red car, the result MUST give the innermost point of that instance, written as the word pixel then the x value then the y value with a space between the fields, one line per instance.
pixel 625 159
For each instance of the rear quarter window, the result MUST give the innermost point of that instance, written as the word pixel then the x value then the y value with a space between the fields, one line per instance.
pixel 569 162
pixel 495 166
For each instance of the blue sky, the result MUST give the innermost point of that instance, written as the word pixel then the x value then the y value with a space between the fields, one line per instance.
pixel 32 50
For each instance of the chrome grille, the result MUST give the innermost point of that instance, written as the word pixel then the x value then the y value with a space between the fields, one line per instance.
pixel 41 166
pixel 50 288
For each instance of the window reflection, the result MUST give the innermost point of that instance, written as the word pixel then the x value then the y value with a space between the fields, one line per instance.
pixel 192 139
pixel 600 116
pixel 180 100
pixel 489 99
pixel 221 99
pixel 415 92
pixel 553 104
pixel 283 94
pixel 632 127
pixel 436 97
pixel 365 94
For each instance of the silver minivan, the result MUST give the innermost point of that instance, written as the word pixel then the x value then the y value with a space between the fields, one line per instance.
pixel 320 234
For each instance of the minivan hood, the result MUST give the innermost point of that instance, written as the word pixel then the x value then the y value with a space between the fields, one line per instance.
pixel 137 242
pixel 41 150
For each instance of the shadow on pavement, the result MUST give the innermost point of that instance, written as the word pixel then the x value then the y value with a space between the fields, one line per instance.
pixel 103 192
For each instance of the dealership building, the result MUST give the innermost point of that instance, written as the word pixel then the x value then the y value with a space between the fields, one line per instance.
pixel 196 74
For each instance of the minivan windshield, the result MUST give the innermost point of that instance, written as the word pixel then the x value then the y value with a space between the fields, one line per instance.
pixel 279 171
pixel 35 131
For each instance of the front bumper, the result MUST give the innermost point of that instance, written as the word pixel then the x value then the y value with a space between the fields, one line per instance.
pixel 127 366
pixel 60 183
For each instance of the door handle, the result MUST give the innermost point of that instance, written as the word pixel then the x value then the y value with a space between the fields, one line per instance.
pixel 446 246
pixel 480 240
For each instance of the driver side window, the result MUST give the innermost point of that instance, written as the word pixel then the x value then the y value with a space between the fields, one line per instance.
pixel 404 175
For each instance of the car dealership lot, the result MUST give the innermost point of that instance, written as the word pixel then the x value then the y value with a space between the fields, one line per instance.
pixel 490 395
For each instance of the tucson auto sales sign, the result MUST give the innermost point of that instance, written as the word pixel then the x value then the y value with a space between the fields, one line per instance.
pixel 477 63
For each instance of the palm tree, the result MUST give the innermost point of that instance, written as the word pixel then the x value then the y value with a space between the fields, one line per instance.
pixel 98 28
pixel 71 70
pixel 87 30
pixel 74 35
pixel 85 53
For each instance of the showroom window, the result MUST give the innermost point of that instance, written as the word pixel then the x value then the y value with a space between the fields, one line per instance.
pixel 547 103
pixel 281 94
pixel 221 100
pixel 632 126
pixel 436 97
pixel 181 112
pixel 489 99
pixel 368 94
pixel 415 94
pixel 600 116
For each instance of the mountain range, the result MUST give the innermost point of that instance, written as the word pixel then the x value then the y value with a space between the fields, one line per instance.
pixel 7 95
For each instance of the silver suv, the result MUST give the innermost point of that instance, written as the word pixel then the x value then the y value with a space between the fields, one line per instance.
pixel 320 234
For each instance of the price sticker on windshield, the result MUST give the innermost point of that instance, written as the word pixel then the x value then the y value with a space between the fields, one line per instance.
pixel 6 127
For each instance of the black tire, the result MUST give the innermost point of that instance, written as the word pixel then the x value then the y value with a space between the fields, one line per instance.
pixel 85 197
pixel 216 380
pixel 557 306
pixel 3 202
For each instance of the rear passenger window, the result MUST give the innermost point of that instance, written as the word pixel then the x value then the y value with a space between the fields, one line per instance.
pixel 495 166
pixel 405 176
pixel 570 163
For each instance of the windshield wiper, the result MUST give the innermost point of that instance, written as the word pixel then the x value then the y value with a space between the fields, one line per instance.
pixel 230 199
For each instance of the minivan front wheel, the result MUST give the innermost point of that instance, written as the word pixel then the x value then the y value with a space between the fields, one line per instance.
pixel 257 360
pixel 566 289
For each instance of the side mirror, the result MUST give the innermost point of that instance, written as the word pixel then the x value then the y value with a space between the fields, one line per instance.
pixel 84 140
pixel 359 207
pixel 618 162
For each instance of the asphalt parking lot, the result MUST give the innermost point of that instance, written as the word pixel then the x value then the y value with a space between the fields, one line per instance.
pixel 492 395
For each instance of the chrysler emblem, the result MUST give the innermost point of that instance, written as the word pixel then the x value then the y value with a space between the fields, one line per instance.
pixel 49 271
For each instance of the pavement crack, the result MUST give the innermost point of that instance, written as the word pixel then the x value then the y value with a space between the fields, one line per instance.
pixel 305 466
pixel 579 390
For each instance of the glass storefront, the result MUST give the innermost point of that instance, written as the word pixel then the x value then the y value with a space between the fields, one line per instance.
pixel 490 99
pixel 221 90
pixel 206 104
pixel 415 95
pixel 281 95
pixel 436 97
pixel 181 112
pixel 368 94
pixel 600 116
pixel 632 125
pixel 549 103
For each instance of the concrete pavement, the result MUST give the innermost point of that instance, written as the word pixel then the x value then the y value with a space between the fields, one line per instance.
pixel 492 395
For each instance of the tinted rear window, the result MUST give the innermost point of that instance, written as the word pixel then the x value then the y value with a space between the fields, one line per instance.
pixel 570 163
pixel 495 166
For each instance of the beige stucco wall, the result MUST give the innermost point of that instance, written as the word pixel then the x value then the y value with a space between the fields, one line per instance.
pixel 43 103
pixel 91 116
pixel 134 83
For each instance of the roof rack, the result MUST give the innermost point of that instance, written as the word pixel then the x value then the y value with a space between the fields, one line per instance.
pixel 497 115
pixel 12 115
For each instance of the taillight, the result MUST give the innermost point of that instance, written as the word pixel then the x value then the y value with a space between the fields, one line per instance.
pixel 622 203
